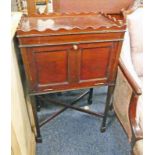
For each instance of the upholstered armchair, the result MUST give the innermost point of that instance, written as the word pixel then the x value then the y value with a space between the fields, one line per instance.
pixel 128 100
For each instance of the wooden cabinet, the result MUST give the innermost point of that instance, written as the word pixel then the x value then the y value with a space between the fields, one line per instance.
pixel 58 59
pixel 75 47
pixel 81 63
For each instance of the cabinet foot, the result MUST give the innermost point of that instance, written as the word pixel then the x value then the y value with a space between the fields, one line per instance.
pixel 102 129
pixel 39 139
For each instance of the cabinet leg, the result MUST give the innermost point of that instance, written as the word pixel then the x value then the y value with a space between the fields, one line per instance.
pixel 38 135
pixel 107 107
pixel 38 104
pixel 90 97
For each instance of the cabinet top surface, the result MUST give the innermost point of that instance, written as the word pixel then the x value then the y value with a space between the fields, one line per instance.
pixel 56 22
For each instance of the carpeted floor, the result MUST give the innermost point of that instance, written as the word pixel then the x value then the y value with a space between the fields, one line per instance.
pixel 76 133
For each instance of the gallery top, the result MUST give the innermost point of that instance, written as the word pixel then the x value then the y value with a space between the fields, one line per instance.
pixel 68 22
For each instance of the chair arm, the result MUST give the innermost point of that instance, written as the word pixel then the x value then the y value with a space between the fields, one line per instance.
pixel 135 86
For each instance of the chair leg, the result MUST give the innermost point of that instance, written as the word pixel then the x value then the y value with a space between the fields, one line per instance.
pixel 107 107
pixel 90 97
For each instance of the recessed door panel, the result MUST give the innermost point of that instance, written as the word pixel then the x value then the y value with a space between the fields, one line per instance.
pixel 51 67
pixel 95 61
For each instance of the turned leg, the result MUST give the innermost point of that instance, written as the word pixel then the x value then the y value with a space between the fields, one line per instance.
pixel 107 107
pixel 34 109
pixel 90 97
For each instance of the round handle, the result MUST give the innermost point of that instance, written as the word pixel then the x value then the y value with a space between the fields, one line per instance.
pixel 75 47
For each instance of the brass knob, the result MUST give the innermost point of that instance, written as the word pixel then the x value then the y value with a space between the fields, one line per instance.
pixel 75 47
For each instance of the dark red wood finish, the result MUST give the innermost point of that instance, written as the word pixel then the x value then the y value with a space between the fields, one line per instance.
pixel 83 55
pixel 78 6
pixel 106 6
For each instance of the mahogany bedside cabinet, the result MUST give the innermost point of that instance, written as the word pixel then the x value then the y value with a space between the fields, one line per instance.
pixel 76 46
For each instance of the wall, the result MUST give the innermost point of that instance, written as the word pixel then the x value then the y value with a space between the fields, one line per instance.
pixel 23 139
